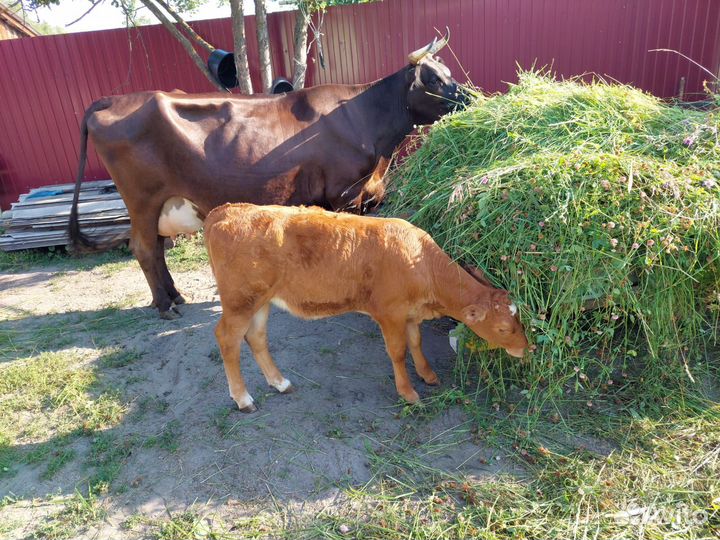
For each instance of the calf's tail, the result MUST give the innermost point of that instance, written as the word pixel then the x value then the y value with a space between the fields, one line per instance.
pixel 78 240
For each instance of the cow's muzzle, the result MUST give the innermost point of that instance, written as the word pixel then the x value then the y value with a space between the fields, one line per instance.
pixel 462 99
pixel 457 100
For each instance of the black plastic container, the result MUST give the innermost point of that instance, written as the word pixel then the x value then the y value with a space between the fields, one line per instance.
pixel 222 65
pixel 281 86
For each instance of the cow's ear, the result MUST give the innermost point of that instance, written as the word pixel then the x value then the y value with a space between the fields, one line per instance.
pixel 410 73
pixel 474 313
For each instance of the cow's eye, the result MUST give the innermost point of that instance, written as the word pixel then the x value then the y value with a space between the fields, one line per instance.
pixel 434 79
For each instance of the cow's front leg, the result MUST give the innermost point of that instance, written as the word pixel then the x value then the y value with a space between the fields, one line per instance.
pixel 229 333
pixel 421 364
pixel 394 333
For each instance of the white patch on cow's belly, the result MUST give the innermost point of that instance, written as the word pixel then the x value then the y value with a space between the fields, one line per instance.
pixel 178 215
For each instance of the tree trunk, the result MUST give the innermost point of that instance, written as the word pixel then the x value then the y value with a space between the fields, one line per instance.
pixel 170 27
pixel 263 45
pixel 241 61
pixel 302 20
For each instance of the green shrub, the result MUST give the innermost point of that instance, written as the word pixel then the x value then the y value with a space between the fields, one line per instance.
pixel 597 206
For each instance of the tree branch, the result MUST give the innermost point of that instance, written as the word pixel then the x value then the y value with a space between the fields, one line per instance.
pixel 170 27
pixel 199 41
pixel 94 5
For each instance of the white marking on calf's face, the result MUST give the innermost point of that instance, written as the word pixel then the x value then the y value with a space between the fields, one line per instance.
pixel 178 215
pixel 513 309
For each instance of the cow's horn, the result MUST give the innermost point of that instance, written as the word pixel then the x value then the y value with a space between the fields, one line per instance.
pixel 418 55
pixel 432 48
pixel 438 45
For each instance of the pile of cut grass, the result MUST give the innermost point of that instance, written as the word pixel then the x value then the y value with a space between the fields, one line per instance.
pixel 597 206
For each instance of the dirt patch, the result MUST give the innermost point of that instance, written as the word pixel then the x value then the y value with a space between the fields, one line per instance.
pixel 186 444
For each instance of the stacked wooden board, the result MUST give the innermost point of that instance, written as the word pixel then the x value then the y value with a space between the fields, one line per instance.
pixel 40 217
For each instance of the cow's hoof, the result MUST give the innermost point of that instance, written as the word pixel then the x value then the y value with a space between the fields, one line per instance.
pixel 432 380
pixel 170 315
pixel 179 300
pixel 248 409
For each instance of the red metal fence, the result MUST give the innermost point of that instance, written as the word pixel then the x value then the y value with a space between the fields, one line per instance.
pixel 47 82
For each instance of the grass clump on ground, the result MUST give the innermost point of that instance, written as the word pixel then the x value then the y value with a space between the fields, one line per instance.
pixel 597 206
pixel 187 254
pixel 58 257
pixel 45 402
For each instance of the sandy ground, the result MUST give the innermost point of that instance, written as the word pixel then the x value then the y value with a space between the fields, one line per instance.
pixel 296 454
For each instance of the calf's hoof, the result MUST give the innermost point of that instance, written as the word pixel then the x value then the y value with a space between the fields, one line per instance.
pixel 284 387
pixel 179 300
pixel 248 408
pixel 411 397
pixel 431 380
pixel 289 390
pixel 244 401
pixel 170 315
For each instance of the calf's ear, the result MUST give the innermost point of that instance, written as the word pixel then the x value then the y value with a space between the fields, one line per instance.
pixel 474 313
pixel 478 275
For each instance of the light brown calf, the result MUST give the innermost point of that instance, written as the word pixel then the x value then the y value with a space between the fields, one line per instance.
pixel 315 264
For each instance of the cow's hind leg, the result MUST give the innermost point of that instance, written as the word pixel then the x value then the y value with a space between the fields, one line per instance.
pixel 229 333
pixel 256 337
pixel 144 240
pixel 166 279
pixel 421 364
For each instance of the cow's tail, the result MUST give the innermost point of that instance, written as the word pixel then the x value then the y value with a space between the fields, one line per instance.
pixel 78 240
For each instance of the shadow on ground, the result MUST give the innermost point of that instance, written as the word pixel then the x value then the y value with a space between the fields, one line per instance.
pixel 183 441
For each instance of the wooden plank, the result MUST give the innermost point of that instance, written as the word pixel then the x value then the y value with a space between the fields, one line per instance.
pixel 85 184
pixel 67 199
pixel 63 222
pixel 57 210
pixel 69 188
pixel 91 231
pixel 100 234
pixel 83 223
pixel 42 221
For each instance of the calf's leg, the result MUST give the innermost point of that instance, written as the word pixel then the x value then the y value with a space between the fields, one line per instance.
pixel 256 337
pixel 394 333
pixel 229 333
pixel 421 364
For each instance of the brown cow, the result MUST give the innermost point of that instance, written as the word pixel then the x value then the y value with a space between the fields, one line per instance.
pixel 175 156
pixel 315 264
